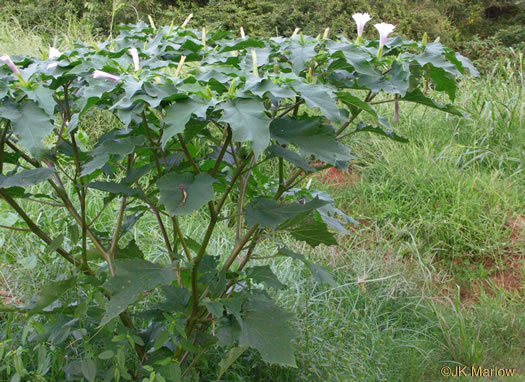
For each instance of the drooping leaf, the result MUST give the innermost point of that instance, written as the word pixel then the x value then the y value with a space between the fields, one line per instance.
pixel 248 122
pixel 270 213
pixel 132 278
pixel 312 138
pixel 418 97
pixel 26 177
pixel 361 126
pixel 321 275
pixel 182 194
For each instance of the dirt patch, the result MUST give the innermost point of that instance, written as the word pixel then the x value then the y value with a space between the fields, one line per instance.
pixel 337 177
pixel 7 299
pixel 517 228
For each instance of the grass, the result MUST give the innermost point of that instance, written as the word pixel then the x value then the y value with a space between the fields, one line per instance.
pixel 415 280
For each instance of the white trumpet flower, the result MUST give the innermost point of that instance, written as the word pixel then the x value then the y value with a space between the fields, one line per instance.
pixel 135 56
pixel 361 19
pixel 106 76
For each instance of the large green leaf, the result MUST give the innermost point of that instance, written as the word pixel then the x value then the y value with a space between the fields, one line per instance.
pixel 317 95
pixel 248 122
pixel 133 277
pixel 26 177
pixel 31 124
pixel 269 213
pixel 49 293
pixel 179 113
pixel 263 327
pixel 300 54
pixel 312 138
pixel 182 194
pixel 44 97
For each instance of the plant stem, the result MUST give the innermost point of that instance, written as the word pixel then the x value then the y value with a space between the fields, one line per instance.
pixel 187 154
pixel 35 229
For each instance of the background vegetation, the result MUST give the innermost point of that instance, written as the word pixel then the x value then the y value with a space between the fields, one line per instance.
pixel 484 30
pixel 433 275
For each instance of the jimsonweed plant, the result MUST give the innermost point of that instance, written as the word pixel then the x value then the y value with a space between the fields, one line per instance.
pixel 202 123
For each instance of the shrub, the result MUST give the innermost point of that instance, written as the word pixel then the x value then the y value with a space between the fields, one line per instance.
pixel 183 140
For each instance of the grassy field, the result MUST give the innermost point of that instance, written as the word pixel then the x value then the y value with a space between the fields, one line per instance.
pixel 433 276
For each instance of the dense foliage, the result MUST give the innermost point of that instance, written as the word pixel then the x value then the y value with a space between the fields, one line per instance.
pixel 192 116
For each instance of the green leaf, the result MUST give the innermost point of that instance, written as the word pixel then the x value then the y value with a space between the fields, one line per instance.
pixel 312 138
pixel 264 274
pixel 266 86
pixel 89 369
pixel 106 354
pixel 309 230
pixel 443 81
pixel 418 97
pixel 248 122
pixel 321 275
pixel 300 55
pixel 265 329
pixel 179 113
pixel 361 126
pixel 131 251
pixel 133 277
pixel 270 213
pixel 395 82
pixel 317 95
pixel 26 177
pixel 229 359
pixel 49 293
pixel 356 103
pixel 111 144
pixel 54 245
pixel 182 194
pixel 291 157
pixel 44 97
pixel 31 124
